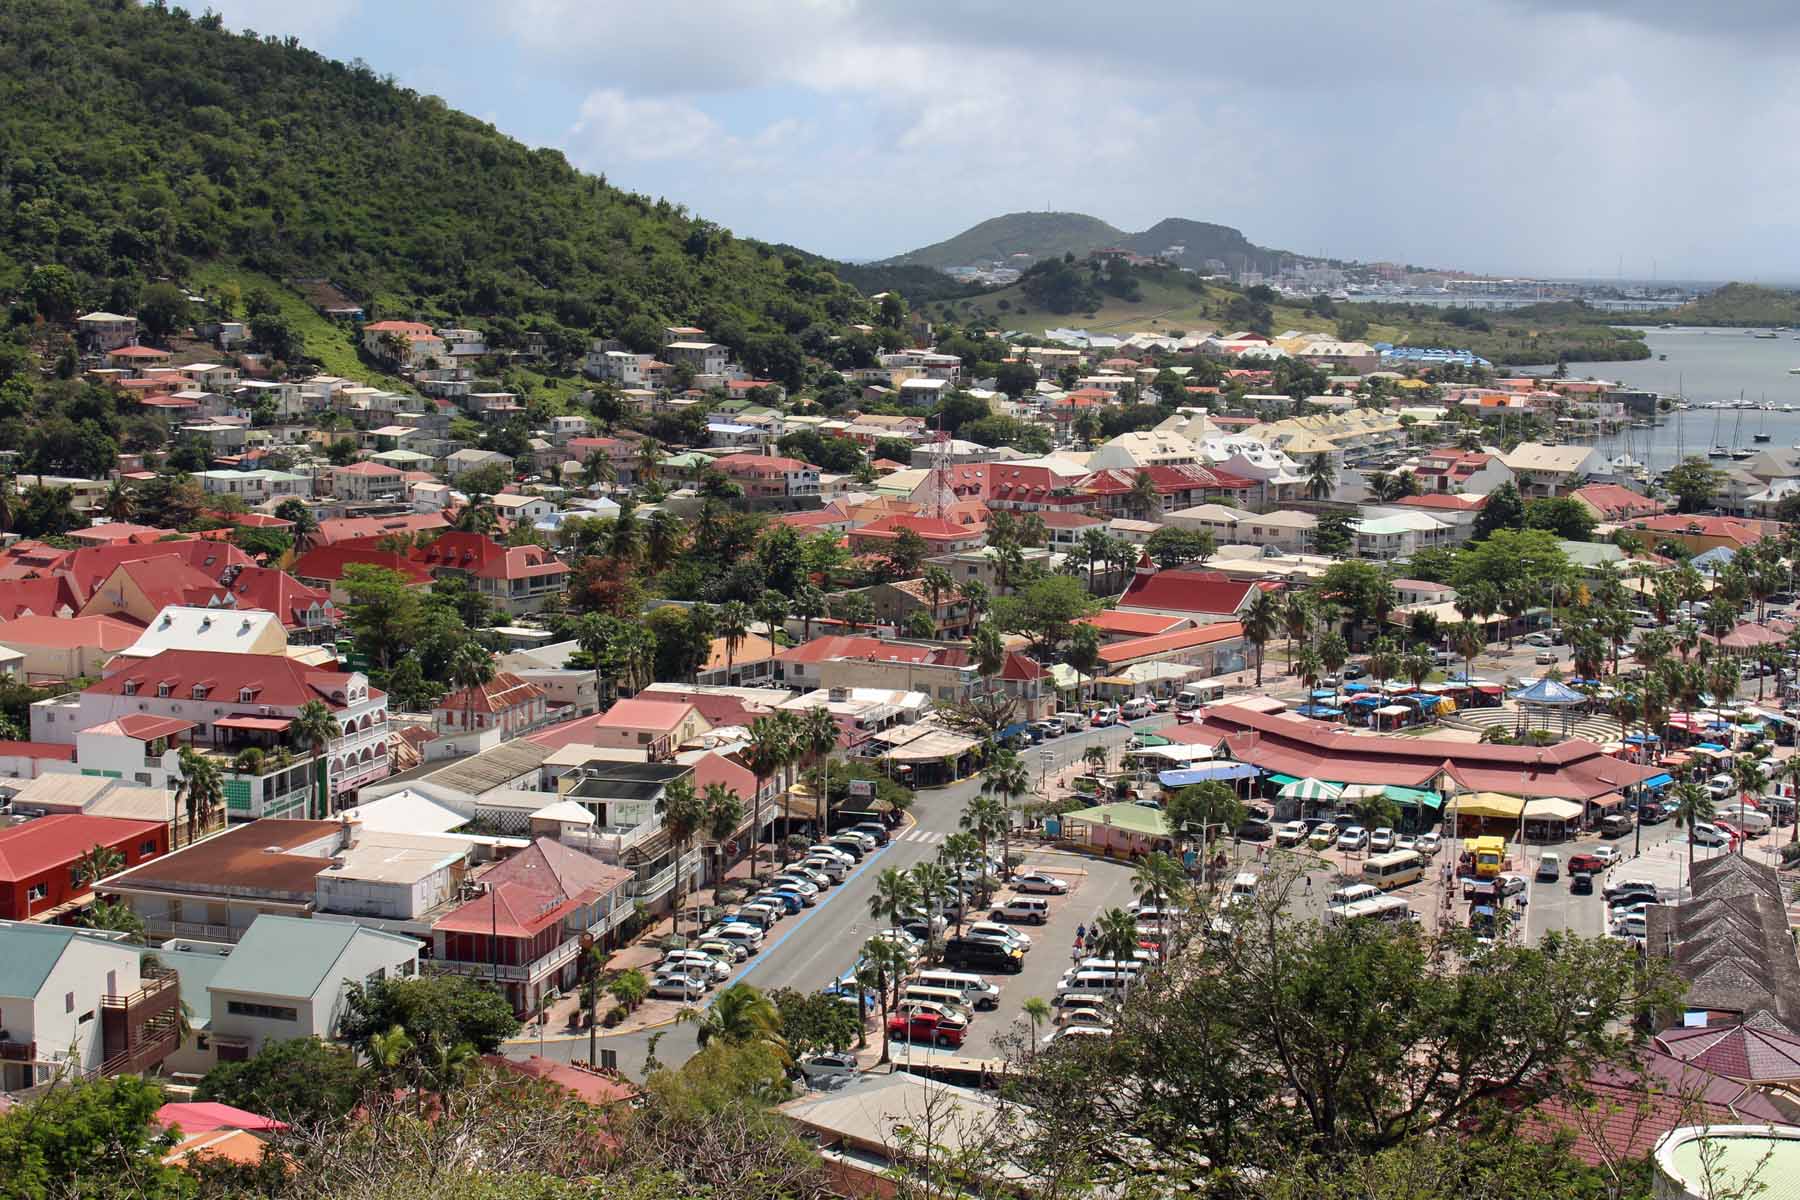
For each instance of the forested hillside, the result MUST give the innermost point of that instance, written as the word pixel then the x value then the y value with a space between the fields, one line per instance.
pixel 137 142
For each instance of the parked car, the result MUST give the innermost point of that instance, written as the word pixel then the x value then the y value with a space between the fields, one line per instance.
pixel 1381 841
pixel 983 954
pixel 1353 838
pixel 827 1064
pixel 1355 670
pixel 1511 883
pixel 832 868
pixel 1026 909
pixel 793 882
pixel 1538 639
pixel 723 951
pixel 923 1026
pixel 1608 855
pixel 698 960
pixel 872 829
pixel 1427 844
pixel 1040 882
pixel 1706 833
pixel 1106 716
pixel 1545 658
pixel 1406 841
pixel 1291 834
pixel 1086 1013
pixel 1323 835
pixel 1623 887
pixel 678 985
pixel 1006 933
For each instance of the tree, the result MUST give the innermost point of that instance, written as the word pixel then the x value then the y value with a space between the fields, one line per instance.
pixel 1261 622
pixel 683 813
pixel 302 1081
pixel 92 1137
pixel 738 1015
pixel 1201 812
pixel 1333 533
pixel 733 627
pixel 764 754
pixel 1144 499
pixel 1046 610
pixel 1171 547
pixel 894 896
pixel 812 1022
pixel 446 1009
pixel 1340 1040
pixel 315 727
pixel 1505 509
pixel 52 290
pixel 1015 378
pixel 1321 476
pixel 164 310
pixel 1084 652
pixel 1008 780
pixel 1114 936
pixel 95 865
pixel 1694 483
pixel 202 786
pixel 879 970
pixel 1565 516
pixel 854 609
pixel 383 611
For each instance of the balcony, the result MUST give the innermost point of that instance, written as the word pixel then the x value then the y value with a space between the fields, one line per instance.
pixel 11 1051
pixel 141 1029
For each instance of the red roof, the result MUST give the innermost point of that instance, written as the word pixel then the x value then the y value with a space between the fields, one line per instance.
pixel 1613 502
pixel 265 589
pixel 1187 591
pixel 1018 667
pixel 642 712
pixel 271 679
pixel 409 328
pixel 144 727
pixel 343 529
pixel 1053 519
pixel 39 845
pixel 932 529
pixel 366 468
pixel 824 649
pixel 1444 502
pixel 44 596
pixel 1740 530
pixel 585 1082
pixel 533 890
pixel 118 531
pixel 202 1116
pixel 137 352
pixel 1168 643
pixel 484 558
pixel 52 750
pixel 108 634
pixel 716 768
pixel 1184 477
pixel 329 562
pixel 505 690
pixel 1571 770
pixel 1111 620
pixel 760 463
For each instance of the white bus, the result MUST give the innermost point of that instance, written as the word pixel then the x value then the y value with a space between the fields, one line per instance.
pixel 1392 870
pixel 1385 908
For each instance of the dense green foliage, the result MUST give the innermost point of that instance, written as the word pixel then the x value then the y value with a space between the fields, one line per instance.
pixel 138 143
pixel 1739 304
pixel 301 1081
pixel 1053 234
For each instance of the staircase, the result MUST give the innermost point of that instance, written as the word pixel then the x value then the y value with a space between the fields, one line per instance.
pixel 1596 727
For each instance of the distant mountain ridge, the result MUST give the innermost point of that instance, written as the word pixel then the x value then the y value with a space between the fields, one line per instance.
pixel 1052 234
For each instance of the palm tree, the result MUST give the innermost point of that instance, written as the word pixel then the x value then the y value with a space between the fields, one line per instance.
pixel 1261 620
pixel 96 865
pixel 974 593
pixel 202 785
pixel 471 667
pixel 1321 476
pixel 1383 660
pixel 316 727
pixel 1296 618
pixel 733 627
pixel 1469 641
pixel 985 818
pixel 816 737
pixel 1094 549
pixel 739 1015
pixel 1008 779
pixel 724 812
pixel 682 814
pixel 662 539
pixel 119 504
pixel 1159 879
pixel 931 884
pixel 1790 771
pixel 809 606
pixel 937 582
pixel 1334 652
pixel 1037 1011
pixel 878 970
pixel 1114 936
pixel 1309 667
pixel 1144 499
pixel 1417 668
pixel 895 893
pixel 626 538
pixel 593 632
pixel 765 755
pixel 1693 804
pixel 394 1054
pixel 649 458
pixel 989 653
pixel 958 850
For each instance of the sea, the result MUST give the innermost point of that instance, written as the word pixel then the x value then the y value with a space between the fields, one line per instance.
pixel 1707 366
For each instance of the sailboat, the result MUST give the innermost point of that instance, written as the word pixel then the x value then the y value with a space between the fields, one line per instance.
pixel 1762 427
pixel 1720 449
pixel 1738 450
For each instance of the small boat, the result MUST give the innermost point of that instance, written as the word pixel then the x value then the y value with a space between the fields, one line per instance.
pixel 1767 336
pixel 1741 455
pixel 1794 370
pixel 1718 452
pixel 1759 437
pixel 1662 358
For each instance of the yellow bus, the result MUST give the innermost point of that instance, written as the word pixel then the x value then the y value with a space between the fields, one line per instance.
pixel 1489 854
pixel 1389 871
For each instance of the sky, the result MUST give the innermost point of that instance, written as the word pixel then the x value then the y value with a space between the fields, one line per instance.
pixel 1545 137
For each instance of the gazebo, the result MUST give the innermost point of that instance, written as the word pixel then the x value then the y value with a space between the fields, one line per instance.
pixel 1540 699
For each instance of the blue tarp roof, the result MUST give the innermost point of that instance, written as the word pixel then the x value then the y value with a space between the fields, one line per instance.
pixel 1643 739
pixel 1319 710
pixel 1354 688
pixel 1207 774
pixel 1709 746
pixel 1658 781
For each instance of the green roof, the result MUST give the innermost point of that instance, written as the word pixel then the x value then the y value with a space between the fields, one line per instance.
pixel 1132 818
pixel 1591 554
pixel 199 970
pixel 290 956
pixel 28 953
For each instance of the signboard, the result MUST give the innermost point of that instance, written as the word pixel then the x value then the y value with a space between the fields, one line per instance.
pixel 862 789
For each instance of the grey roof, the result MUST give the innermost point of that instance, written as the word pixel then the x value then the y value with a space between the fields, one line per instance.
pixel 627 780
pixel 491 768
pixel 1731 941
pixel 198 970
pixel 28 953
pixel 291 956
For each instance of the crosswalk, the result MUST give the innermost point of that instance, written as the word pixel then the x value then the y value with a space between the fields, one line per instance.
pixel 922 836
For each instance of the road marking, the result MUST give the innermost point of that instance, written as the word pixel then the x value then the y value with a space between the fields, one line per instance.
pixel 924 836
pixel 762 956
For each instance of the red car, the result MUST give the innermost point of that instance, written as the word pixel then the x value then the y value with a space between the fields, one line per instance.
pixel 1586 864
pixel 927 1027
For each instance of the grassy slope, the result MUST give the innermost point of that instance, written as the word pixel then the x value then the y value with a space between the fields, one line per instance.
pixel 1737 304
pixel 1040 234
pixel 326 341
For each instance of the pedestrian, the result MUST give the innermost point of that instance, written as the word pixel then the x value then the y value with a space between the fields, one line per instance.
pixel 1309 885
pixel 1080 933
pixel 1075 953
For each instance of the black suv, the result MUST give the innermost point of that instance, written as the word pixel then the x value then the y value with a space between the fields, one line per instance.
pixel 979 955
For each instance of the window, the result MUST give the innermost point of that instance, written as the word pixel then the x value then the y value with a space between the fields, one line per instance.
pixel 37 891
pixel 131 687
pixel 267 1012
pixel 162 689
pixel 199 691
pixel 245 694
pixel 147 847
pixel 375 976
pixel 68 1002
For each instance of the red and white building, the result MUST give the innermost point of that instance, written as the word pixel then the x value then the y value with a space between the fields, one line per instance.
pixel 765 476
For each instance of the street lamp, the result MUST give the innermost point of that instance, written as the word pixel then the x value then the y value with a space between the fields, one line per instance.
pixel 1046 760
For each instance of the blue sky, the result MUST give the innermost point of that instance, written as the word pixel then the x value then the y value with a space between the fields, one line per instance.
pixel 1534 136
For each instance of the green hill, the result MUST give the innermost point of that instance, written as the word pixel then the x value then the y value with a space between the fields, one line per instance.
pixel 138 143
pixel 1200 241
pixel 1039 234
pixel 1737 304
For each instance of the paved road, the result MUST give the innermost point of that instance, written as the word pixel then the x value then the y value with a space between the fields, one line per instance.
pixel 809 950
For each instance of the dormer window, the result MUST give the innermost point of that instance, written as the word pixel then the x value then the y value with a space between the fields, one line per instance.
pixel 200 691
pixel 131 687
pixel 245 695
pixel 162 689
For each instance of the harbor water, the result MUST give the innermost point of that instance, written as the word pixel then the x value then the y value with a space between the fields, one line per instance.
pixel 1708 366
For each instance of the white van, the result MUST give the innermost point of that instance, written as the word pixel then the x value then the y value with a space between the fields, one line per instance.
pixel 1085 984
pixel 1137 708
pixel 1353 893
pixel 1132 967
pixel 1243 888
pixel 1029 909
pixel 1072 722
pixel 945 999
pixel 975 991
pixel 1752 821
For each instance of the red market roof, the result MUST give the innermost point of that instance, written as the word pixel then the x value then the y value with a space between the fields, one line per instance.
pixel 143 727
pixel 504 691
pixel 643 713
pixel 1187 591
pixel 343 529
pixel 329 562
pixel 1576 769
pixel 1446 503
pixel 1169 643
pixel 42 844
pixel 533 890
